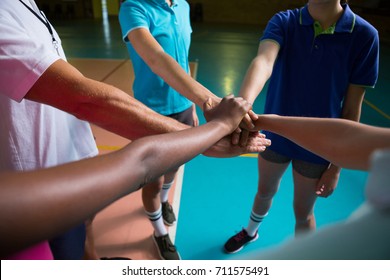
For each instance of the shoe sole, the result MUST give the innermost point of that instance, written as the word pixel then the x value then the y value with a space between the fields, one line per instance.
pixel 168 224
pixel 158 250
pixel 239 249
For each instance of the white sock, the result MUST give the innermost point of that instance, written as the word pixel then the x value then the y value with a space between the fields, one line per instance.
pixel 254 223
pixel 165 191
pixel 157 222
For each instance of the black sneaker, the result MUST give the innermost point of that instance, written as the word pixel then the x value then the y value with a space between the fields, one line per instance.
pixel 165 248
pixel 168 215
pixel 238 241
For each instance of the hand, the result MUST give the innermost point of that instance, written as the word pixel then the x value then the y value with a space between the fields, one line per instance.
pixel 241 134
pixel 240 137
pixel 230 111
pixel 224 148
pixel 247 122
pixel 208 111
pixel 328 181
pixel 195 116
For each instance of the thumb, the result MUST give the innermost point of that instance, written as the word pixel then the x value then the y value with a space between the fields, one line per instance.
pixel 207 105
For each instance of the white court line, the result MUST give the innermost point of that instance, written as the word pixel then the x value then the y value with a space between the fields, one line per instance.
pixel 176 202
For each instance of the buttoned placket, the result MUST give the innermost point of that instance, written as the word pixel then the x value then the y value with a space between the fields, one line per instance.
pixel 175 26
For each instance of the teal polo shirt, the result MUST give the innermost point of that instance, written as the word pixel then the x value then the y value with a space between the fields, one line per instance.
pixel 314 68
pixel 171 27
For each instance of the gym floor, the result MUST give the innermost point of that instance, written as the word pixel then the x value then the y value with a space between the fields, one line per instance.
pixel 212 197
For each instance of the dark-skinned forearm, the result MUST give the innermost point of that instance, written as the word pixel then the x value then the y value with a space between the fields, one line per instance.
pixel 63 196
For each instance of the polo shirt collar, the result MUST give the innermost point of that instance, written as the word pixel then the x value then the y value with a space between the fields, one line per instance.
pixel 162 2
pixel 158 1
pixel 346 22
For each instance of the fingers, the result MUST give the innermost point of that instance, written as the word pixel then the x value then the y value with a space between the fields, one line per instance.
pixel 235 108
pixel 241 101
pixel 320 190
pixel 236 137
pixel 247 120
pixel 232 111
pixel 323 191
pixel 257 143
pixel 224 148
pixel 244 137
pixel 253 115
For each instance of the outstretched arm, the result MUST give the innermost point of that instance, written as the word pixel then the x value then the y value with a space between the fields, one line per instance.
pixel 345 143
pixel 255 78
pixel 163 65
pixel 259 70
pixel 64 87
pixel 61 197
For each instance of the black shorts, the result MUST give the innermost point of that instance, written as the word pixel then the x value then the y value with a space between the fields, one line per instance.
pixel 306 169
pixel 185 116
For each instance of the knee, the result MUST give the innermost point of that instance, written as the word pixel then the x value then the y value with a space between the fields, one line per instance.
pixel 265 194
pixel 304 224
pixel 302 214
pixel 152 189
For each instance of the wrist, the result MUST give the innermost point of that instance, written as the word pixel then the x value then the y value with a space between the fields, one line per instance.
pixel 264 121
pixel 334 168
pixel 222 126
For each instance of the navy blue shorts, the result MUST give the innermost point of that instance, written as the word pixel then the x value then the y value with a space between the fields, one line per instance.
pixel 69 245
pixel 306 169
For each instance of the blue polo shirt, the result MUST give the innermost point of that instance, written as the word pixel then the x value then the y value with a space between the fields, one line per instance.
pixel 313 69
pixel 171 27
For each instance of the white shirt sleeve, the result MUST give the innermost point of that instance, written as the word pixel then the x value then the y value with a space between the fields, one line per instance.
pixel 25 53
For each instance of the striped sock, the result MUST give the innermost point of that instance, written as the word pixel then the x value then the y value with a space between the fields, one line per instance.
pixel 157 222
pixel 165 191
pixel 254 223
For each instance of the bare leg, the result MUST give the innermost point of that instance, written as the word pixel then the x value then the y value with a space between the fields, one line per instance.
pixel 270 175
pixel 169 177
pixel 89 249
pixel 150 195
pixel 304 200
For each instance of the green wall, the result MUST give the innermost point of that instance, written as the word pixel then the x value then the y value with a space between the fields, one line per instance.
pixel 243 11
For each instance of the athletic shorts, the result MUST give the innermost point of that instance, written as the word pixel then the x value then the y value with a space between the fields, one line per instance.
pixel 185 116
pixel 306 169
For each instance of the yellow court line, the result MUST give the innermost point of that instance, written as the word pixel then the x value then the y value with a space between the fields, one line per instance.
pixel 376 109
pixel 250 155
pixel 108 148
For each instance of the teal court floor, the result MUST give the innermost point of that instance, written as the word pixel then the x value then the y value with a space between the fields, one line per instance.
pixel 216 195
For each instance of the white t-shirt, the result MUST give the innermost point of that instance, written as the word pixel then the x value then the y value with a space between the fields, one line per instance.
pixel 33 135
